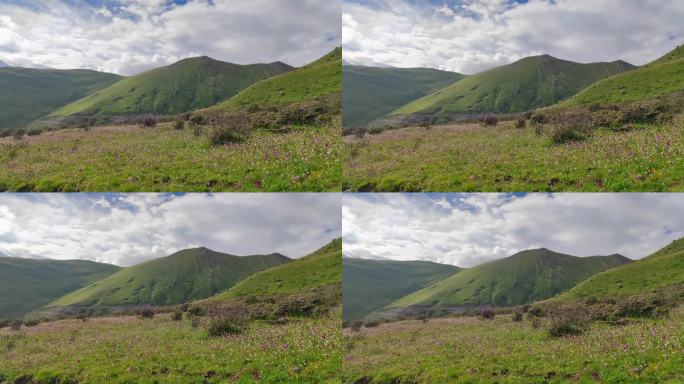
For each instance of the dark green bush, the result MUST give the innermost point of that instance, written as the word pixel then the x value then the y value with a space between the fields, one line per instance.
pixel 568 321
pixel 146 313
pixel 487 313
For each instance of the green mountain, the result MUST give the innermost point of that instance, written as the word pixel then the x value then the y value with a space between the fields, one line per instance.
pixel 322 77
pixel 527 276
pixel 370 92
pixel 532 82
pixel 662 76
pixel 369 285
pixel 184 86
pixel 27 94
pixel 184 276
pixel 319 269
pixel 27 284
pixel 661 269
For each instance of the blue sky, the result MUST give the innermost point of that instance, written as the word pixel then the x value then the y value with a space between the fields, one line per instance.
pixel 469 36
pixel 126 229
pixel 130 36
pixel 469 229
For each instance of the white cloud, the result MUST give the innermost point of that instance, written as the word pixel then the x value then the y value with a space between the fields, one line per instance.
pixel 468 229
pixel 130 36
pixel 126 229
pixel 472 35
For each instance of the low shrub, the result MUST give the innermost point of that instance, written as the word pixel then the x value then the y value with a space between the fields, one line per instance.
pixel 487 313
pixel 356 325
pixel 228 321
pixel 229 128
pixel 34 132
pixel 490 120
pixel 568 321
pixel 16 325
pixel 32 322
pixel 149 121
pixel 177 315
pixel 19 133
pixel 563 133
pixel 196 311
pixel 517 316
pixel 146 313
pixel 536 311
pixel 360 133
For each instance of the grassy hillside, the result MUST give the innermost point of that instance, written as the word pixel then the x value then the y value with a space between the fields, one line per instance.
pixel 532 82
pixel 319 269
pixel 322 77
pixel 522 278
pixel 371 92
pixel 369 285
pixel 661 269
pixel 184 86
pixel 27 94
pixel 27 284
pixel 662 76
pixel 186 275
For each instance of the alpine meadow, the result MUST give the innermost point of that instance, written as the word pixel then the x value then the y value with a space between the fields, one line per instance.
pixel 573 104
pixel 171 110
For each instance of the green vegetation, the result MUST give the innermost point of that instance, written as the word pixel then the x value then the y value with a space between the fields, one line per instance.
pixel 322 77
pixel 181 87
pixel 662 269
pixel 532 82
pixel 369 285
pixel 370 93
pixel 665 75
pixel 319 269
pixel 160 350
pixel 472 350
pixel 27 94
pixel 525 277
pixel 28 284
pixel 186 275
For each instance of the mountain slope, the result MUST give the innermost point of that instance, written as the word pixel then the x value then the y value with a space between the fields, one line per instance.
pixel 369 285
pixel 661 269
pixel 27 94
pixel 522 278
pixel 322 77
pixel 184 86
pixel 370 92
pixel 660 77
pixel 536 81
pixel 319 269
pixel 186 275
pixel 27 284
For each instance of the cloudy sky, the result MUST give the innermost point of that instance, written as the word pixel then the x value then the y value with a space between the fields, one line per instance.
pixel 129 36
pixel 126 229
pixel 468 36
pixel 468 229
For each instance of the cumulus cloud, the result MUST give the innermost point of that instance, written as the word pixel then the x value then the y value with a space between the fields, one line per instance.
pixel 469 36
pixel 126 229
pixel 129 36
pixel 468 229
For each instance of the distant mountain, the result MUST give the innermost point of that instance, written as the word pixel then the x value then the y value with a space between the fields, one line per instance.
pixel 184 276
pixel 661 269
pixel 371 92
pixel 525 277
pixel 532 82
pixel 319 269
pixel 369 285
pixel 660 77
pixel 3 64
pixel 319 78
pixel 27 94
pixel 187 85
pixel 28 284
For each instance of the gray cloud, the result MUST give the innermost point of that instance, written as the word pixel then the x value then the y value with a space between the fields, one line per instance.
pixel 468 229
pixel 130 36
pixel 126 229
pixel 472 35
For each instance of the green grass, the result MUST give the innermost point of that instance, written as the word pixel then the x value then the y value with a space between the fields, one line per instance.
pixel 185 276
pixel 665 75
pixel 470 350
pixel 27 94
pixel 661 269
pixel 370 93
pixel 322 77
pixel 184 86
pixel 369 285
pixel 532 82
pixel 124 159
pixel 527 276
pixel 319 269
pixel 470 157
pixel 159 350
pixel 28 284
